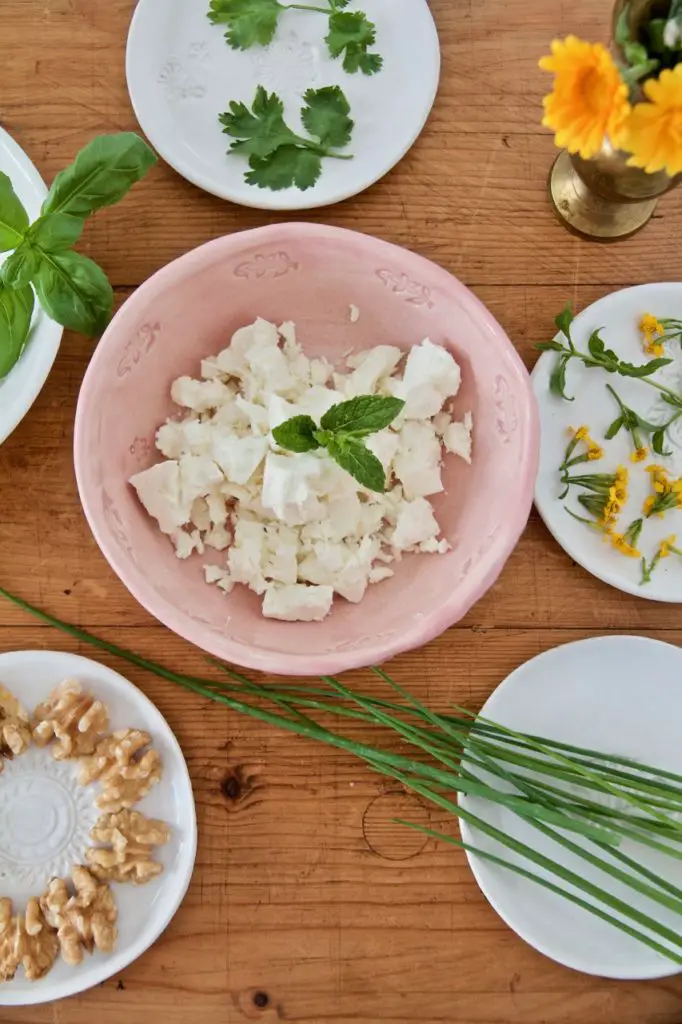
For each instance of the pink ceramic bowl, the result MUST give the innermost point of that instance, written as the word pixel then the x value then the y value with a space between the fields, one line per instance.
pixel 309 274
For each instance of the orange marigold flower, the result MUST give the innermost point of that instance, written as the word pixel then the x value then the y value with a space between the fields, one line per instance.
pixel 653 132
pixel 589 101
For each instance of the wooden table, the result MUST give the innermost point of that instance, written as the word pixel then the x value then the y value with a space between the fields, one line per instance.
pixel 307 905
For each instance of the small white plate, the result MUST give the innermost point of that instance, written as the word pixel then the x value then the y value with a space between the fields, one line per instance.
pixel 20 388
pixel 619 315
pixel 182 74
pixel 45 817
pixel 616 694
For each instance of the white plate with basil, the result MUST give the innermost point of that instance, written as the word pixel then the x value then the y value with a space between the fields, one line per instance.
pixel 347 86
pixel 45 284
pixel 22 385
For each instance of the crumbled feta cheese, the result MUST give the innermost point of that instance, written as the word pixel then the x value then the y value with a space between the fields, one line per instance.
pixel 298 603
pixel 297 528
pixel 457 438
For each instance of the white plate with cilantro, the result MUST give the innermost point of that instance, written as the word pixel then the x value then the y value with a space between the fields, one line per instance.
pixel 20 388
pixel 314 105
pixel 609 486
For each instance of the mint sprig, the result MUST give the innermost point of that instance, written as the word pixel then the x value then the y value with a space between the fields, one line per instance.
pixel 279 157
pixel 254 23
pixel 71 288
pixel 342 432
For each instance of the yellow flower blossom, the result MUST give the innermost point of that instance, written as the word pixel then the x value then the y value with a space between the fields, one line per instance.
pixel 653 131
pixel 666 545
pixel 594 453
pixel 582 434
pixel 589 101
pixel 639 455
pixel 653 330
pixel 620 544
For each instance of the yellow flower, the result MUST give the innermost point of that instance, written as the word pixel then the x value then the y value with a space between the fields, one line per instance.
pixel 664 549
pixel 589 101
pixel 594 452
pixel 648 505
pixel 652 330
pixel 620 544
pixel 639 455
pixel 582 434
pixel 653 132
pixel 650 325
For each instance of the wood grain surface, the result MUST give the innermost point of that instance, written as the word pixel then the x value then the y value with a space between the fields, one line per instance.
pixel 308 905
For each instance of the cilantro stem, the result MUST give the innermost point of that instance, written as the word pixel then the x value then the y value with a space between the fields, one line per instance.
pixel 307 7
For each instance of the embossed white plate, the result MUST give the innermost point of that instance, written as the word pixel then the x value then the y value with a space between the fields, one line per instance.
pixel 45 817
pixel 619 315
pixel 182 75
pixel 591 694
pixel 20 388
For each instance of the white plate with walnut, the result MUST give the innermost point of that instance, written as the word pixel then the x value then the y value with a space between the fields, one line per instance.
pixel 97 825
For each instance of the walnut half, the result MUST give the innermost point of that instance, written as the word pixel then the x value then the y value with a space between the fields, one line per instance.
pixel 37 943
pixel 15 728
pixel 128 851
pixel 9 954
pixel 124 772
pixel 85 921
pixel 74 718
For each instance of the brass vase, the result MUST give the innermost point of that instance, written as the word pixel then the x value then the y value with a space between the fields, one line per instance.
pixel 603 199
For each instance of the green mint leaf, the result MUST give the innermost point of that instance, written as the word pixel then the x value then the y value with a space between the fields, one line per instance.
pixel 297 434
pixel 614 429
pixel 250 22
pixel 658 442
pixel 259 131
pixel 564 320
pixel 325 116
pixel 16 308
pixel 635 53
pixel 632 75
pixel 286 167
pixel 350 35
pixel 557 380
pixel 18 269
pixel 55 231
pixel 646 370
pixel 622 34
pixel 352 455
pixel 101 175
pixel 74 291
pixel 549 346
pixel 362 416
pixel 13 216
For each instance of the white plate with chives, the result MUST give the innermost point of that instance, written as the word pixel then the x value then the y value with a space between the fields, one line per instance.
pixel 591 694
pixel 20 388
pixel 599 400
pixel 47 812
pixel 182 75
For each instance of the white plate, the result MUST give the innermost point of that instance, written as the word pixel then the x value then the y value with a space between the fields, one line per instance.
pixel 45 817
pixel 619 314
pixel 20 388
pixel 182 74
pixel 616 694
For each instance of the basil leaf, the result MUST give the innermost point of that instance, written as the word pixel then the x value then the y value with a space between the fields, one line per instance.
pixel 362 416
pixel 16 308
pixel 13 216
pixel 657 442
pixel 356 459
pixel 55 231
pixel 74 291
pixel 297 434
pixel 614 428
pixel 564 321
pixel 646 370
pixel 20 266
pixel 101 174
pixel 557 380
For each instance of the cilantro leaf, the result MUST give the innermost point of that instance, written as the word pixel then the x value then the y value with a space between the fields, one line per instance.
pixel 326 116
pixel 287 166
pixel 350 35
pixel 250 22
pixel 259 131
pixel 362 416
pixel 352 455
pixel 297 434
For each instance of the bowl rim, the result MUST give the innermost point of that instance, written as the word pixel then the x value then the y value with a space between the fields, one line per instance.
pixel 481 577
